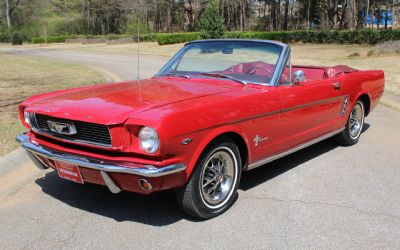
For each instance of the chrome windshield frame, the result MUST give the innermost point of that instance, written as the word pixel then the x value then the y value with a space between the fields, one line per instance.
pixel 280 65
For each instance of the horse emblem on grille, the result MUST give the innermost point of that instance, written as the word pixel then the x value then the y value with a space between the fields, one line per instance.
pixel 64 128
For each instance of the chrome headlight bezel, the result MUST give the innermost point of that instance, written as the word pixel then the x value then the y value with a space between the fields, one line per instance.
pixel 148 140
pixel 27 118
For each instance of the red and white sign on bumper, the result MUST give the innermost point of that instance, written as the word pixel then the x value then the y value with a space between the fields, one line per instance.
pixel 69 172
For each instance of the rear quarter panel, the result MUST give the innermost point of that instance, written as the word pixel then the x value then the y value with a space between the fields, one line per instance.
pixel 368 82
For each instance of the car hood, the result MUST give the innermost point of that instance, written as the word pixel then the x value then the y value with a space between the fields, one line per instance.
pixel 114 103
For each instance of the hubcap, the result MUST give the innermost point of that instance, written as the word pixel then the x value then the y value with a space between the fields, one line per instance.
pixel 356 121
pixel 218 177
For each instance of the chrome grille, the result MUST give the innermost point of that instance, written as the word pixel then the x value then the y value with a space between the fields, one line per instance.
pixel 87 133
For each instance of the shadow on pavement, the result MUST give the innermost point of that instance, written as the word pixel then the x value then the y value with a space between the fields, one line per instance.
pixel 268 171
pixel 161 209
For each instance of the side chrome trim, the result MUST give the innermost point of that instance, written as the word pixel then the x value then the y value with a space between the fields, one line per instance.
pixel 292 150
pixel 98 164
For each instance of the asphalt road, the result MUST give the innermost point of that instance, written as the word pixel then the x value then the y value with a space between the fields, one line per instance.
pixel 322 197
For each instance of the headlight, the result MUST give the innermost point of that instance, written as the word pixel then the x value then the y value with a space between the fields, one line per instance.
pixel 148 140
pixel 27 118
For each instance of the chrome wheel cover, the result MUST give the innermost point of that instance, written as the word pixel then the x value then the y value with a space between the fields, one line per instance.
pixel 356 121
pixel 218 177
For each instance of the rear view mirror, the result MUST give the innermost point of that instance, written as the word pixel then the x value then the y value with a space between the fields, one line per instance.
pixel 298 76
pixel 227 50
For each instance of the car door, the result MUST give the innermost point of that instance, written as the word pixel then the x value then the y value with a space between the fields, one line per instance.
pixel 309 110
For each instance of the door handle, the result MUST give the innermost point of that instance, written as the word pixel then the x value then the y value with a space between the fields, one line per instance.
pixel 336 85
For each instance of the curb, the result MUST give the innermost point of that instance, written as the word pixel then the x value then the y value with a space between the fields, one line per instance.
pixel 12 161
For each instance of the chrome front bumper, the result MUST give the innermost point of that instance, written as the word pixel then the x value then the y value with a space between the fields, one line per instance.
pixel 103 166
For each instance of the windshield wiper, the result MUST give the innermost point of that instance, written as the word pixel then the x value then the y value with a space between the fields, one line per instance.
pixel 219 75
pixel 178 74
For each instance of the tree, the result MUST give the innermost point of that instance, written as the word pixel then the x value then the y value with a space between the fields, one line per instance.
pixel 8 14
pixel 211 22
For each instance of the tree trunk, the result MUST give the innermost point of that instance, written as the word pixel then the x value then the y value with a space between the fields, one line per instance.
pixel 368 15
pixel 286 16
pixel 308 14
pixel 349 15
pixel 244 20
pixel 8 15
pixel 386 14
pixel 278 16
pixel 331 13
pixel 191 16
pixel 240 17
pixel 273 15
pixel 169 21
pixel 394 20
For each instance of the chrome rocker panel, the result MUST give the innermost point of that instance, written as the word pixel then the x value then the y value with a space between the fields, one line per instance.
pixel 292 150
pixel 97 164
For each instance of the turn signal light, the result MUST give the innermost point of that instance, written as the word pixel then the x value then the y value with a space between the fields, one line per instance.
pixel 145 185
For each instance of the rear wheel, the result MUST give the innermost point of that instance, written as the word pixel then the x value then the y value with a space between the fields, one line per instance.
pixel 213 185
pixel 355 123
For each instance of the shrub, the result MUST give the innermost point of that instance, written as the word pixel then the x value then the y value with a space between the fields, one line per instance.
pixel 37 40
pixel 17 38
pixel 148 37
pixel 4 37
pixel 171 38
pixel 366 36
pixel 335 36
pixel 62 38
pixel 211 22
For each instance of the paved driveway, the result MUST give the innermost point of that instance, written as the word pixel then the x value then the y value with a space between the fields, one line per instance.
pixel 122 66
pixel 324 196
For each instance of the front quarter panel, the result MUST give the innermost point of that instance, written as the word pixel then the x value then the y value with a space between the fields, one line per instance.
pixel 246 112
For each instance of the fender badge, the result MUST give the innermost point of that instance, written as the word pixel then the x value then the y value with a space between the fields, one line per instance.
pixel 186 141
pixel 259 139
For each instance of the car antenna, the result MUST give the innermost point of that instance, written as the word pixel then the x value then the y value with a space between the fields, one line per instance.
pixel 138 45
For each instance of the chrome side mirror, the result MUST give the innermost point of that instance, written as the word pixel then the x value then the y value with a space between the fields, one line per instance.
pixel 299 76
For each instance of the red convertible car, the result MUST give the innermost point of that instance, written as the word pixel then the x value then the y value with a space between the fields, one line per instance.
pixel 216 109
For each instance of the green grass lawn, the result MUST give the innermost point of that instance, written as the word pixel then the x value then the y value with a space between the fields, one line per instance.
pixel 21 77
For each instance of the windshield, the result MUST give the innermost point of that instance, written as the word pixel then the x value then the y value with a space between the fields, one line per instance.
pixel 243 61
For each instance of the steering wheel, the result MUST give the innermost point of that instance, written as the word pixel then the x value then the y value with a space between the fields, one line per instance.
pixel 253 70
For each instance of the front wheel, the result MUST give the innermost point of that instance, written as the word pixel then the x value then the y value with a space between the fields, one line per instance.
pixel 355 123
pixel 213 185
